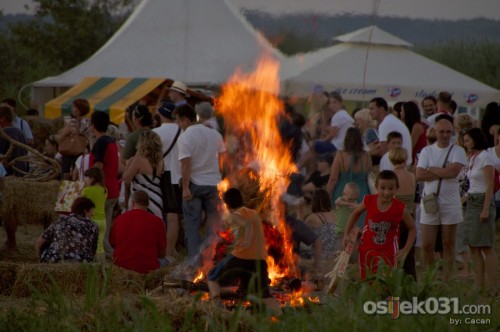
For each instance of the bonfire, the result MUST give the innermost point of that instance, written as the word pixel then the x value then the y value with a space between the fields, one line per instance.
pixel 259 164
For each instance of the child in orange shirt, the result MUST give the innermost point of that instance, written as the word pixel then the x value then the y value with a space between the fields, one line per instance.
pixel 248 258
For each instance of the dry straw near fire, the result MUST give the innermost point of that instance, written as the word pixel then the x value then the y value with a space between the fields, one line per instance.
pixel 8 274
pixel 73 279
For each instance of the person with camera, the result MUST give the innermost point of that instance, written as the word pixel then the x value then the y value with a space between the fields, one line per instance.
pixel 438 166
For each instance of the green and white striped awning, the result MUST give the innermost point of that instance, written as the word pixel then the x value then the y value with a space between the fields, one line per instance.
pixel 111 95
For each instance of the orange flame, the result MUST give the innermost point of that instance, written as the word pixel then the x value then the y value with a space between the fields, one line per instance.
pixel 251 108
pixel 273 271
pixel 199 277
pixel 223 186
pixel 296 299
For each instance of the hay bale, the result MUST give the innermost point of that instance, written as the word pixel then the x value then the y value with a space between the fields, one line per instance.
pixel 69 277
pixel 124 281
pixel 29 202
pixel 155 278
pixel 74 278
pixel 8 274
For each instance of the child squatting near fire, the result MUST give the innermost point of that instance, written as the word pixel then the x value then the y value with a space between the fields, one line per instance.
pixel 247 261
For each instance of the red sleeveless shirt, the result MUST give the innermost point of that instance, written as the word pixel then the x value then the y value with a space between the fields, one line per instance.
pixel 381 230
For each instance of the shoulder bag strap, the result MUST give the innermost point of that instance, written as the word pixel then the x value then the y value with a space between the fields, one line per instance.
pixel 82 164
pixel 350 166
pixel 444 164
pixel 173 142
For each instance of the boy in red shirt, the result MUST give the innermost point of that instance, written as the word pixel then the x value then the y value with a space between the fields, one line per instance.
pixel 380 236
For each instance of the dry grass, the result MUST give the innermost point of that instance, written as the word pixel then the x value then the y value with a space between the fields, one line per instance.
pixel 8 275
pixel 72 279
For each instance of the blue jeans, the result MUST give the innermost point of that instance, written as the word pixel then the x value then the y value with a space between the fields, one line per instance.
pixel 205 198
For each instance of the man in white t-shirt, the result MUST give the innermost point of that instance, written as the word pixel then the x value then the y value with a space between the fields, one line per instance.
pixel 199 150
pixel 430 170
pixel 169 133
pixel 386 124
pixel 339 123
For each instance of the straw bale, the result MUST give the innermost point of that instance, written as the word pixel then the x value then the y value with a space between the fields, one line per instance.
pixel 124 281
pixel 155 278
pixel 31 202
pixel 8 273
pixel 69 277
pixel 27 202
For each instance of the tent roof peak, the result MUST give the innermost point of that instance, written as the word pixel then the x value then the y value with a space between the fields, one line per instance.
pixel 372 35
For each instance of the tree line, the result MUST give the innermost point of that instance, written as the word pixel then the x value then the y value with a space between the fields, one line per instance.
pixel 64 33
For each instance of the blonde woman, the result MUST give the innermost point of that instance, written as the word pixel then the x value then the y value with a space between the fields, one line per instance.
pixel 461 123
pixel 143 171
pixel 365 123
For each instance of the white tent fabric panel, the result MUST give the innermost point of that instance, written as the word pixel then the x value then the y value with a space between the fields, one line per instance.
pixel 392 72
pixel 195 41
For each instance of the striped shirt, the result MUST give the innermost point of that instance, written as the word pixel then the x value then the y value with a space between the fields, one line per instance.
pixel 151 185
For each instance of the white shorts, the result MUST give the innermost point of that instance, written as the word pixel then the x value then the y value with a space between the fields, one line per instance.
pixel 449 214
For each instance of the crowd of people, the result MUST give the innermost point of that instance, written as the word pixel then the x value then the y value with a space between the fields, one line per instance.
pixel 412 183
pixel 424 153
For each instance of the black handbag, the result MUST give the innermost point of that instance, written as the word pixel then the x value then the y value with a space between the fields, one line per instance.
pixel 167 189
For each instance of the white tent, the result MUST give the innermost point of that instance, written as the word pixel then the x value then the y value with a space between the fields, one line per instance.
pixel 198 42
pixel 392 71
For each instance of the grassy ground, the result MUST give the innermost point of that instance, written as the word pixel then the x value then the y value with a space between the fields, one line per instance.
pixel 99 308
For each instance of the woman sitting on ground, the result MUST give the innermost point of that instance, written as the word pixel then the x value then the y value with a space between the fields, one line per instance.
pixel 73 238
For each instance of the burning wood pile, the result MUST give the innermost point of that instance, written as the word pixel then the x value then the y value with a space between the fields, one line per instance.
pixel 259 165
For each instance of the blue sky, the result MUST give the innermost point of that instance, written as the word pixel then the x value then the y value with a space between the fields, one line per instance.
pixel 432 9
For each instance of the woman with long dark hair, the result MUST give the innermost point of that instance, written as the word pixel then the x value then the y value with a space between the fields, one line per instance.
pixel 411 117
pixel 479 219
pixel 350 165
